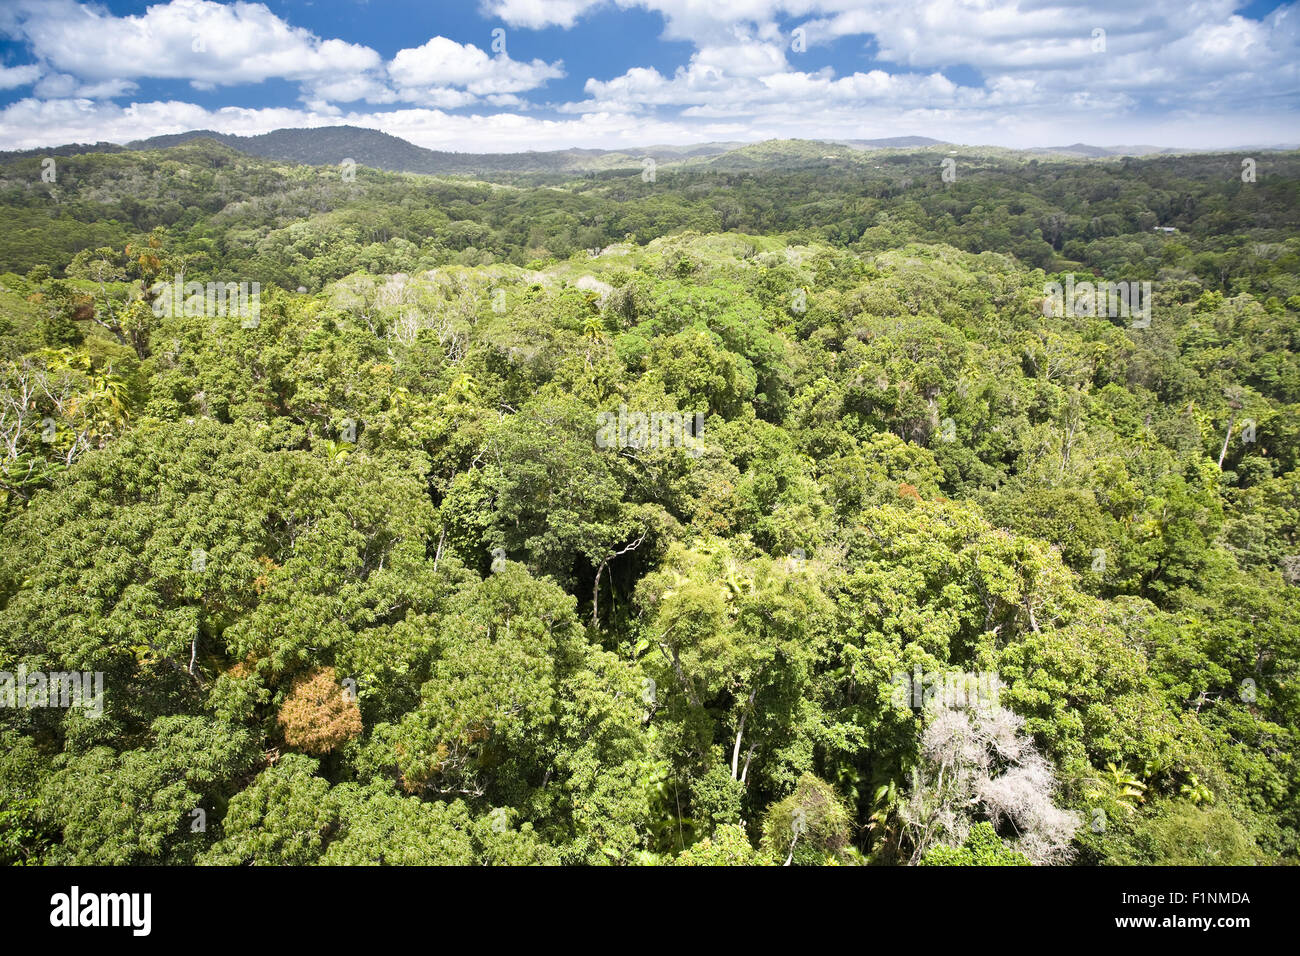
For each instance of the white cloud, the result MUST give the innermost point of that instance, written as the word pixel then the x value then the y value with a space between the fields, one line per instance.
pixel 93 54
pixel 64 86
pixel 535 14
pixel 1163 42
pixel 697 20
pixel 12 77
pixel 750 77
pixel 186 39
pixel 1038 59
pixel 441 64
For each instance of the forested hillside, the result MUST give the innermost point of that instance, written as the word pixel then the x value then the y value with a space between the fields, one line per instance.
pixel 331 145
pixel 743 509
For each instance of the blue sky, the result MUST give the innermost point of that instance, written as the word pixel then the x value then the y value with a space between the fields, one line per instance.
pixel 505 75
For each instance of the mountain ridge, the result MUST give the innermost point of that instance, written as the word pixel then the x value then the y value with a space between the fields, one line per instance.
pixel 330 145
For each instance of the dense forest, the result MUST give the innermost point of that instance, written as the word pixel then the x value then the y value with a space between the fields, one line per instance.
pixel 741 508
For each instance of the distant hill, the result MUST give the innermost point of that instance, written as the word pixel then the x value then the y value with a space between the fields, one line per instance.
pixel 893 142
pixel 1099 152
pixel 316 147
pixel 779 154
pixel 68 149
pixel 330 145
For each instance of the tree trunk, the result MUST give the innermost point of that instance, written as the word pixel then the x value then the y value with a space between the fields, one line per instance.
pixel 740 733
pixel 1223 452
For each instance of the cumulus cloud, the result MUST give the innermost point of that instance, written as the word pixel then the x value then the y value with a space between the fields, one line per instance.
pixel 64 85
pixel 535 14
pixel 196 40
pixel 427 73
pixel 94 54
pixel 696 20
pixel 755 77
pixel 12 77
pixel 1055 63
